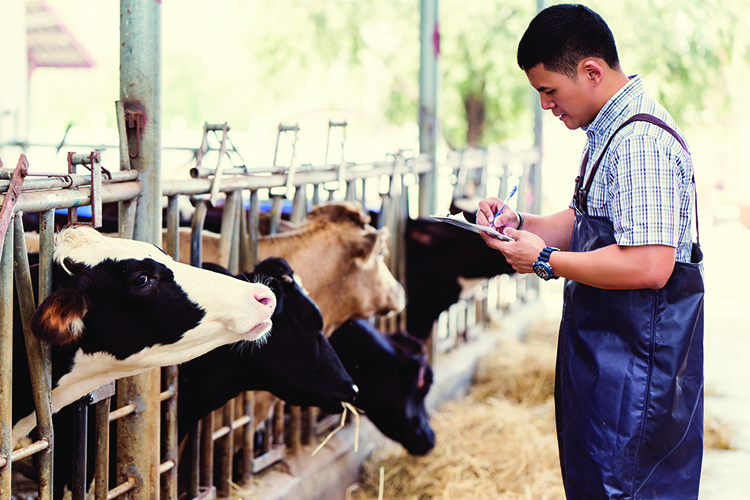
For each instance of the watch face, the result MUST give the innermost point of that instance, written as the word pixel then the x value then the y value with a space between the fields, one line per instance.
pixel 543 270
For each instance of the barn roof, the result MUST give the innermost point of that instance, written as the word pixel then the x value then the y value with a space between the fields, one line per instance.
pixel 50 43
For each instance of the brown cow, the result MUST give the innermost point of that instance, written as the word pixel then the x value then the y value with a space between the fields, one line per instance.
pixel 339 257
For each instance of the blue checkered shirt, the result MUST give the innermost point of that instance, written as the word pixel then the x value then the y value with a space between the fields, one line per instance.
pixel 644 182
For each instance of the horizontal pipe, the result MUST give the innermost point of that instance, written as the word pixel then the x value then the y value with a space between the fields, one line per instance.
pixel 250 181
pixel 39 201
pixel 169 393
pixel 236 424
pixel 37 182
pixel 26 451
pixel 165 466
pixel 123 488
pixel 121 412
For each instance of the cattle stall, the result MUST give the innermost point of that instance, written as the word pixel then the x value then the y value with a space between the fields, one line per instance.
pixel 241 191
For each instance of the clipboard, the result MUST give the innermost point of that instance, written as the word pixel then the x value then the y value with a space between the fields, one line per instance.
pixel 460 221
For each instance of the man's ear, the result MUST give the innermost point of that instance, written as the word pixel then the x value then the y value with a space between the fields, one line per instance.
pixel 592 70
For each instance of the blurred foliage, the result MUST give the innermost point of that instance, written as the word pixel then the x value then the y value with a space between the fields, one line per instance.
pixel 688 53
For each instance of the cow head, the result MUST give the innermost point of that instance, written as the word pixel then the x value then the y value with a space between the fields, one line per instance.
pixel 128 299
pixel 393 377
pixel 296 362
pixel 360 274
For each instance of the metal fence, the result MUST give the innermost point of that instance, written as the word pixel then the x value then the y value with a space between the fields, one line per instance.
pixel 389 187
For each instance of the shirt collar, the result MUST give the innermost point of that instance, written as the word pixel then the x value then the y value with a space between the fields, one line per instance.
pixel 614 107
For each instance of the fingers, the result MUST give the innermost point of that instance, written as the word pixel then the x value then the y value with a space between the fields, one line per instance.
pixel 487 210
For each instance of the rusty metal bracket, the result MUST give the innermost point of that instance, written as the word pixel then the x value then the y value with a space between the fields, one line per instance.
pixel 92 162
pixel 14 191
pixel 134 119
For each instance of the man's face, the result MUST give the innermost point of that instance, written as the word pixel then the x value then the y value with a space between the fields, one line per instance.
pixel 571 101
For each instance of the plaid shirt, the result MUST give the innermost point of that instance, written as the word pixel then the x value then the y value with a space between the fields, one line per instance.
pixel 644 182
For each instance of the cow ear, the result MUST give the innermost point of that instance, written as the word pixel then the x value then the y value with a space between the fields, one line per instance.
pixel 364 247
pixel 58 320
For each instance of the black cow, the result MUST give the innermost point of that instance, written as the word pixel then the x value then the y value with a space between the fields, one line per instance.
pixel 438 253
pixel 296 363
pixel 393 376
pixel 121 307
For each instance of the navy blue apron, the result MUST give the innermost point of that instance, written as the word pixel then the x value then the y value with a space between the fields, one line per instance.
pixel 629 376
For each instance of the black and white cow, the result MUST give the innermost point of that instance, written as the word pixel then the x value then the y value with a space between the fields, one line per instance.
pixel 296 363
pixel 121 307
pixel 393 376
pixel 437 254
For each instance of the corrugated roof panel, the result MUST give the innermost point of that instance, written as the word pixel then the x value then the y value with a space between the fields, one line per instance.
pixel 50 43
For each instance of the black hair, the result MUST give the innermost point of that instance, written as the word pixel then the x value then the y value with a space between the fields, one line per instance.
pixel 561 36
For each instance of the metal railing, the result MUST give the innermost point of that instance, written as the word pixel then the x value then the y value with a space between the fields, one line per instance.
pixel 393 183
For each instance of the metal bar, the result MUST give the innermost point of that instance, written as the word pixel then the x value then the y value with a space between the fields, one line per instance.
pixel 122 135
pixel 428 103
pixel 170 444
pixel 278 423
pixel 228 219
pixel 122 411
pixel 38 358
pixel 96 190
pixel 101 460
pixel 251 181
pixel 295 444
pixel 39 201
pixel 121 489
pixel 29 450
pixel 201 172
pixel 173 228
pixel 14 191
pixel 248 448
pixel 80 442
pixel 196 239
pixel 35 182
pixel 207 450
pixel 217 172
pixel 225 447
pixel 192 449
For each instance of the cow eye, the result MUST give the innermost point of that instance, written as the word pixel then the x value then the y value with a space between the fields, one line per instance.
pixel 140 280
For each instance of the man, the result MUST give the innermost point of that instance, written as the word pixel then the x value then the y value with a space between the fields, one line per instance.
pixel 629 377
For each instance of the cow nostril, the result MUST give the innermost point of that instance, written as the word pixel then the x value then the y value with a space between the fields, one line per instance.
pixel 266 299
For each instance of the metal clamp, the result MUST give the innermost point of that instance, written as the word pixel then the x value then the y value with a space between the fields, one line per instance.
pixel 14 191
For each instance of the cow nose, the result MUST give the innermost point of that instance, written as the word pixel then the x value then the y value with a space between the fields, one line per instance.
pixel 266 298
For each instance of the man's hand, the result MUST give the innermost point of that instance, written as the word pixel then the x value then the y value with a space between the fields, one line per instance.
pixel 521 253
pixel 486 214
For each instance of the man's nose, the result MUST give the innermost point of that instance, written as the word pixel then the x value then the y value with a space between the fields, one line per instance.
pixel 546 102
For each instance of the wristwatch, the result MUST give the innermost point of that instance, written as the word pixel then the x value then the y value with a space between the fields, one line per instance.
pixel 541 266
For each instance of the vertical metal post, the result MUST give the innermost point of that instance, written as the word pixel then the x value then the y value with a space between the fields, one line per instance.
pixel 428 93
pixel 38 359
pixel 140 94
pixel 6 362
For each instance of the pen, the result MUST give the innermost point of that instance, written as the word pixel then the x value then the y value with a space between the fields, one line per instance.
pixel 505 204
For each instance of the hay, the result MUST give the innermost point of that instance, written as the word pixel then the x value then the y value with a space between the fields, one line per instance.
pixel 498 443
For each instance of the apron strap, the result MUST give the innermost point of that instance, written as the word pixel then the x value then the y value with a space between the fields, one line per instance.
pixel 581 193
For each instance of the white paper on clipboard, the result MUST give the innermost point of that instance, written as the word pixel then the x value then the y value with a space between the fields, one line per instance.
pixel 460 221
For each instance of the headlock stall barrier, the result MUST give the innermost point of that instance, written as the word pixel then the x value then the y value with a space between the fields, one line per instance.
pixel 238 206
